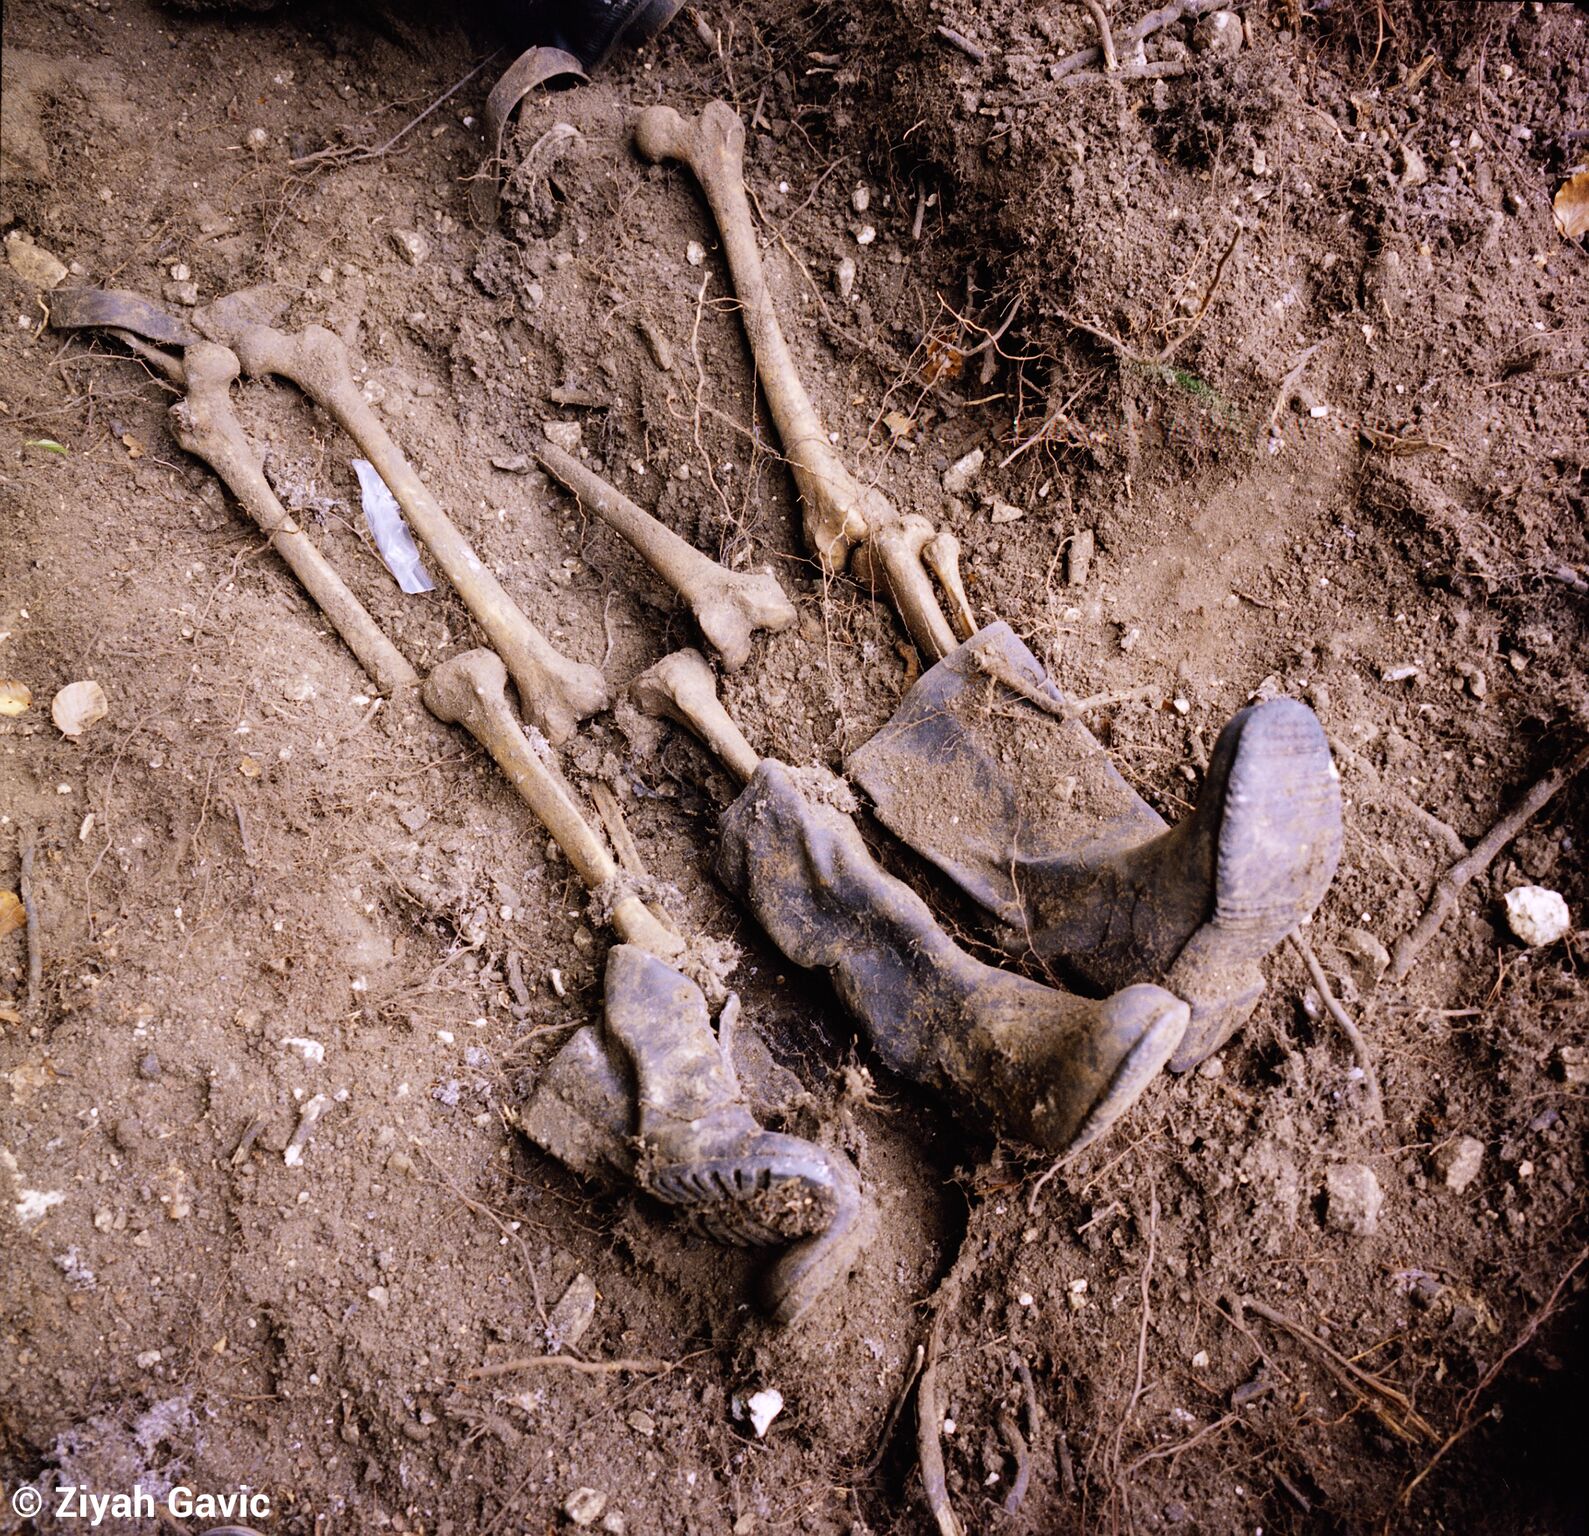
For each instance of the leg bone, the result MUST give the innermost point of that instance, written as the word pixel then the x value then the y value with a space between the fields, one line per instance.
pixel 207 427
pixel 890 561
pixel 470 690
pixel 942 558
pixel 838 512
pixel 728 605
pixel 681 688
pixel 555 692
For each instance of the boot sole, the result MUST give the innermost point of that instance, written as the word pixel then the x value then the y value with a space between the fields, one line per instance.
pixel 1278 845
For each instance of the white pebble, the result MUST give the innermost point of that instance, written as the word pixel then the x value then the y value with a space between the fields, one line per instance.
pixel 695 253
pixel 1537 915
pixel 865 235
pixel 763 1407
pixel 861 198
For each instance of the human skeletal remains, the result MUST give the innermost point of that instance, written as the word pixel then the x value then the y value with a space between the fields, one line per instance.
pixel 1169 923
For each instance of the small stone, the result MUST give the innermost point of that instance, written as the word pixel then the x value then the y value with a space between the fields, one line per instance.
pixel 414 818
pixel 1200 1360
pixel 1414 168
pixel 614 1523
pixel 959 475
pixel 1354 1199
pixel 1478 684
pixel 1078 558
pixel 641 1423
pixel 1537 915
pixel 563 434
pixel 182 293
pixel 32 263
pixel 844 277
pixel 411 245
pixel 1005 512
pixel 761 1408
pixel 1218 33
pixel 148 1359
pixel 865 235
pixel 379 1295
pixel 180 272
pixel 1212 1068
pixel 584 1506
pixel 258 138
pixel 695 253
pixel 1574 1063
pixel 1367 956
pixel 149 1068
pixel 572 1315
pixel 1458 1162
pixel 861 198
pixel 1399 674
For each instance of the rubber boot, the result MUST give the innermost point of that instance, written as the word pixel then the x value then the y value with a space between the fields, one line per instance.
pixel 1025 812
pixel 653 1100
pixel 1035 1063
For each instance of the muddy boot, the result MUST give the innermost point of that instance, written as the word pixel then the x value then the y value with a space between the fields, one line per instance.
pixel 1025 812
pixel 1037 1064
pixel 656 1102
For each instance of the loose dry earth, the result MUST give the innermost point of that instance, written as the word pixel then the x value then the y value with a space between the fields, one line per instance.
pixel 1291 333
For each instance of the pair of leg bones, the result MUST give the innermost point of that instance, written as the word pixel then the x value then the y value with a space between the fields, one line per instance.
pixel 672 1112
pixel 846 524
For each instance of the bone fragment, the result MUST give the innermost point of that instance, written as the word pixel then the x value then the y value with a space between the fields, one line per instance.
pixel 554 692
pixel 840 514
pixel 471 690
pixel 728 605
pixel 206 425
pixel 681 688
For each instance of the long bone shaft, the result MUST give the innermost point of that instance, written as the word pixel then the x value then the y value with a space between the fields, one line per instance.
pixel 840 514
pixel 471 690
pixel 207 427
pixel 554 691
pixel 729 606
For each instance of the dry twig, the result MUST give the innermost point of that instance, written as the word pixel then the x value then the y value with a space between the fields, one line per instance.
pixel 30 913
pixel 1405 1421
pixel 1106 38
pixel 569 1363
pixel 1450 885
pixel 963 43
pixel 929 1445
pixel 1365 1059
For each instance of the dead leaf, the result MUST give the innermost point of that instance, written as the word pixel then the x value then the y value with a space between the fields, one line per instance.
pixel 9 1015
pixel 132 445
pixel 12 913
pixel 248 768
pixel 27 1079
pixel 1571 206
pixel 15 697
pixel 899 424
pixel 77 706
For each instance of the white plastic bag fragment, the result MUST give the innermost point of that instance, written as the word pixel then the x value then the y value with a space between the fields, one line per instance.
pixel 393 541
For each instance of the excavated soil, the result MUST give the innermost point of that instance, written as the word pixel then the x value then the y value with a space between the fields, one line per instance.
pixel 1289 335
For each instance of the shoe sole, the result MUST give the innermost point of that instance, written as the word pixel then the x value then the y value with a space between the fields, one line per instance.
pixel 1278 846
